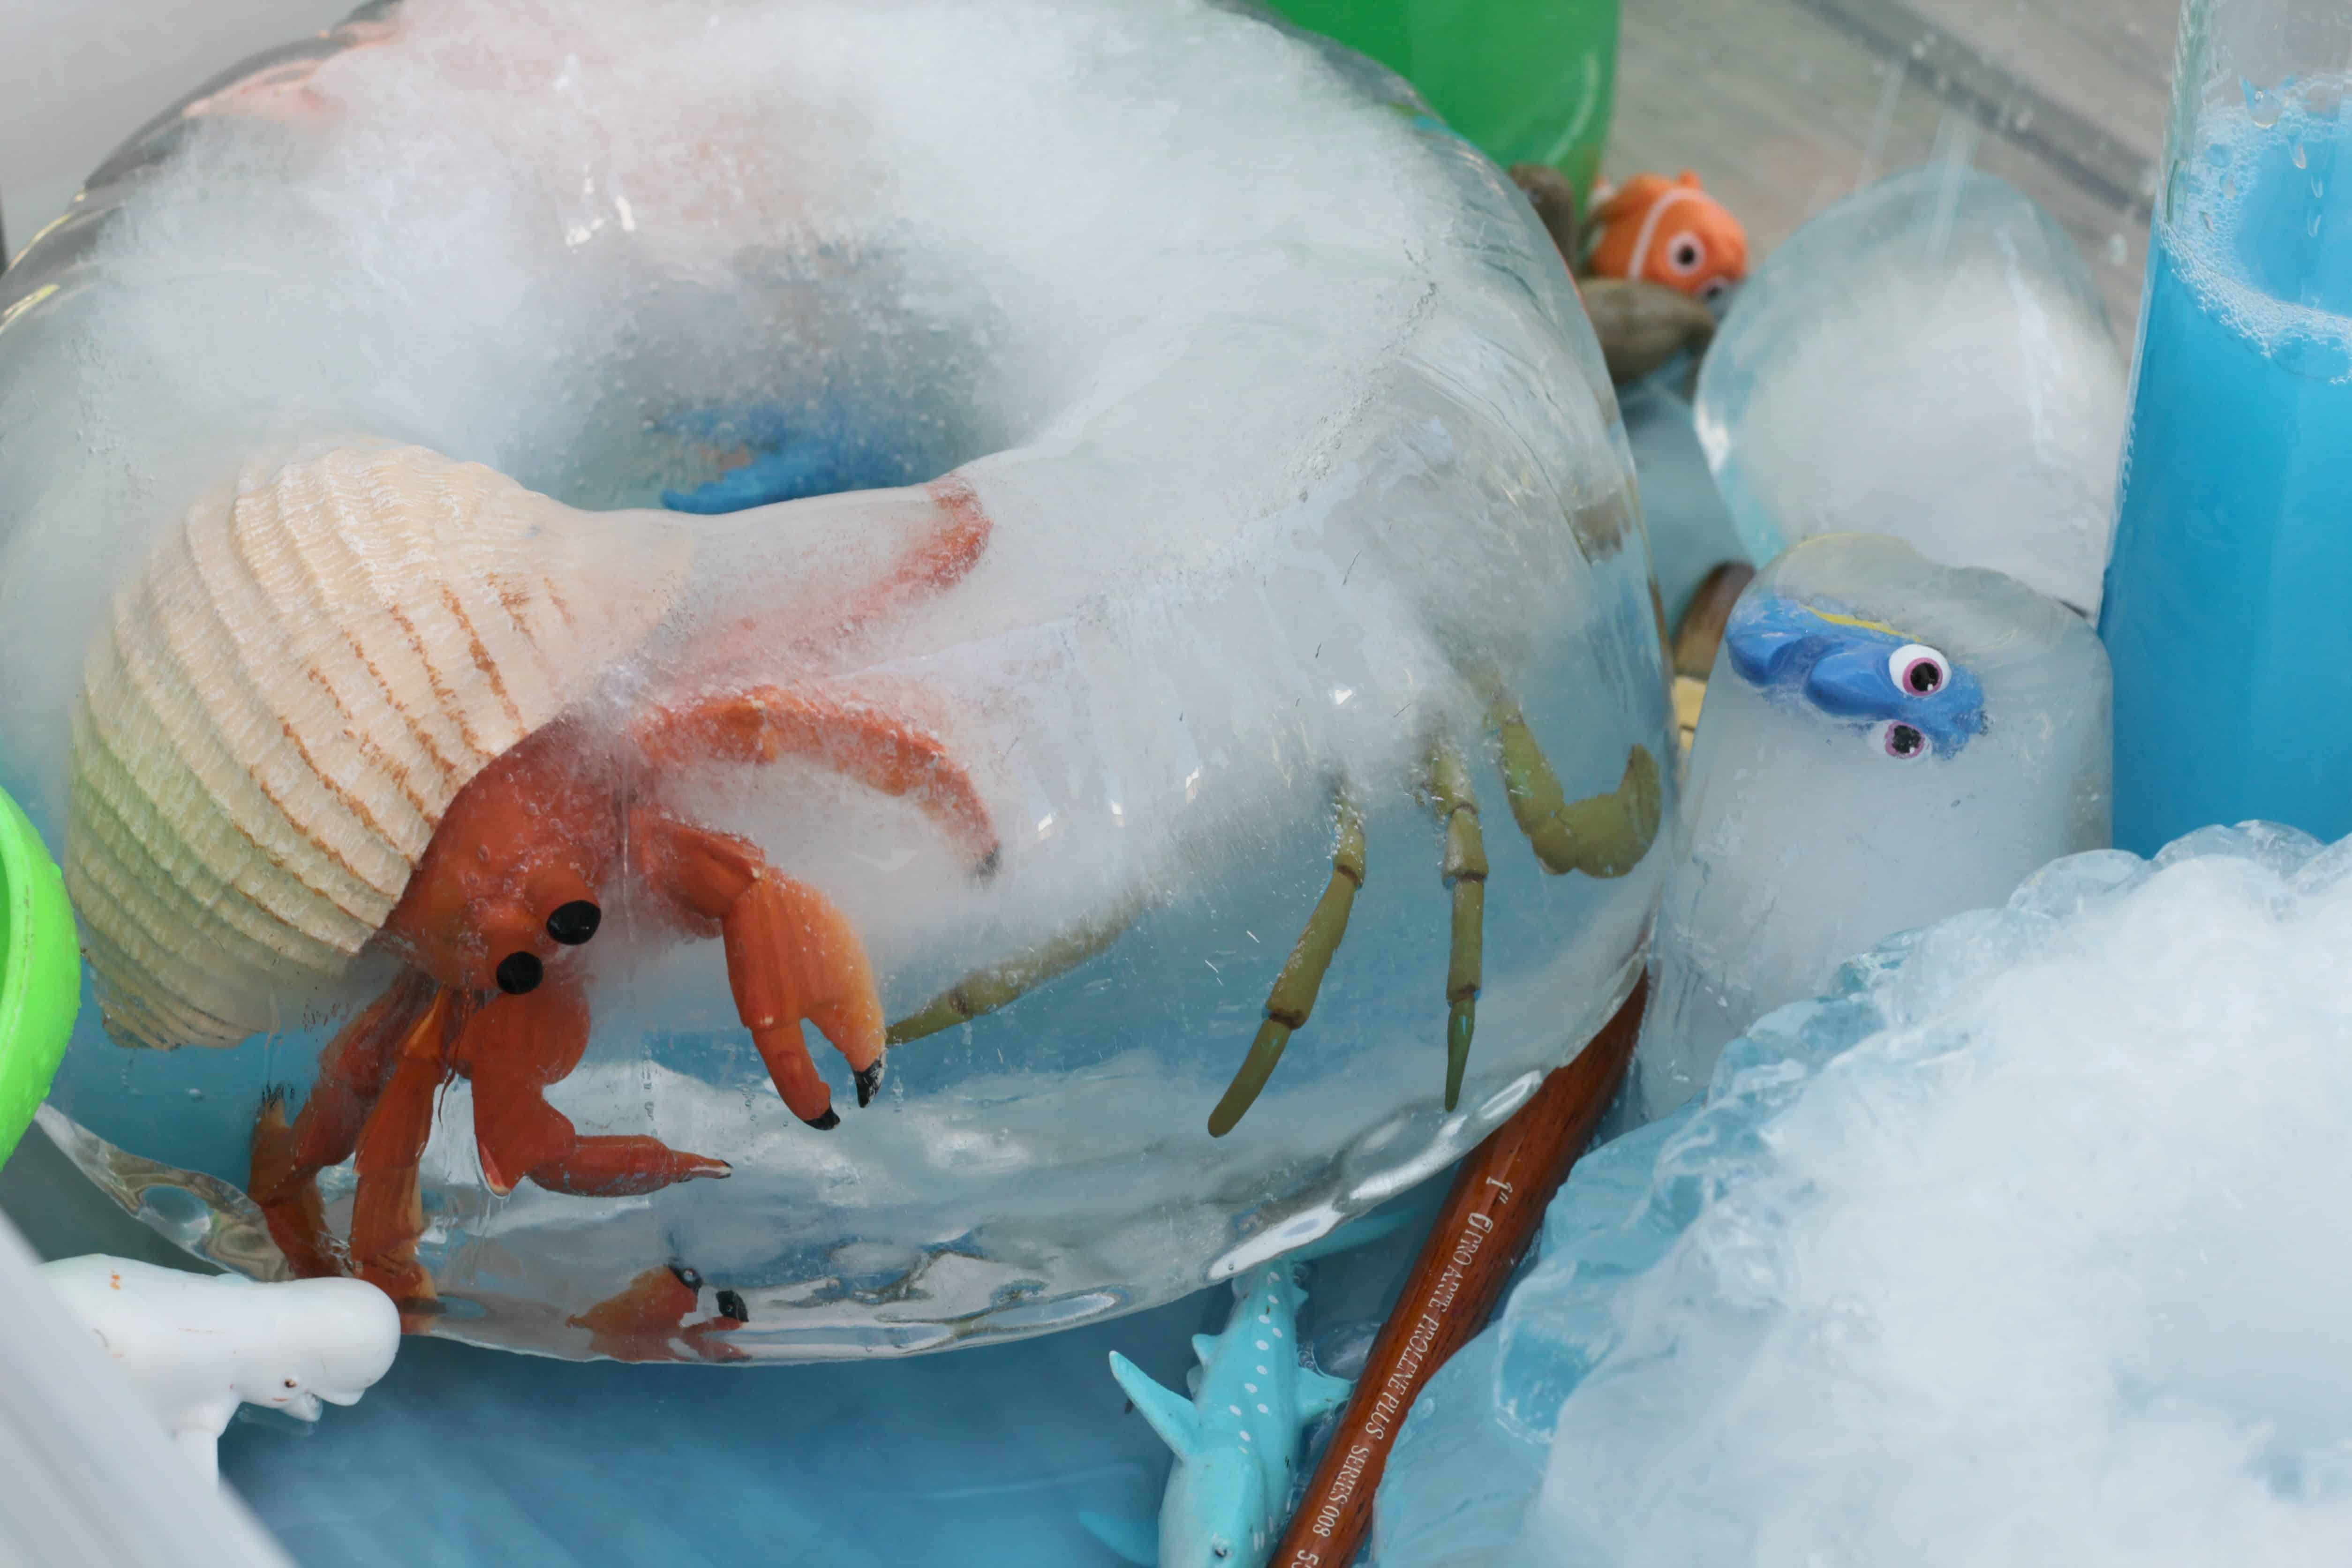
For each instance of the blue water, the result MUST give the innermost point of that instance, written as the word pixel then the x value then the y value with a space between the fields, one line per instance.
pixel 2229 599
pixel 983 1457
pixel 467 1457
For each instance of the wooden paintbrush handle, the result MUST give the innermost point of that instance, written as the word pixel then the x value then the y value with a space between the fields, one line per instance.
pixel 1493 1213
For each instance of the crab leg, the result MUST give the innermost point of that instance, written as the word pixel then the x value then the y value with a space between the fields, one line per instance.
pixel 388 1211
pixel 1465 872
pixel 791 955
pixel 983 991
pixel 1699 638
pixel 936 564
pixel 952 533
pixel 1292 997
pixel 767 723
pixel 515 1047
pixel 286 1160
pixel 1601 835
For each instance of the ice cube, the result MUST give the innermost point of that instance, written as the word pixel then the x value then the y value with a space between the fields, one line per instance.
pixel 1885 741
pixel 1275 400
pixel 1928 359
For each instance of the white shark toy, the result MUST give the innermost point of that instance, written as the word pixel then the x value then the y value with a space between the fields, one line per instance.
pixel 197 1345
pixel 1236 1439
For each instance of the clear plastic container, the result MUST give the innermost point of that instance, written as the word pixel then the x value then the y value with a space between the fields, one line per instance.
pixel 2224 609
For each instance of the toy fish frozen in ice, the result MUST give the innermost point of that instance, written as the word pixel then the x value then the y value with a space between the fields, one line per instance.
pixel 1642 325
pixel 1670 232
pixel 1853 668
pixel 1885 741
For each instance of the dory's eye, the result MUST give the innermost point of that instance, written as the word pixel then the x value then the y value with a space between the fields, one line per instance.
pixel 1918 669
pixel 1685 253
pixel 574 923
pixel 518 972
pixel 1904 742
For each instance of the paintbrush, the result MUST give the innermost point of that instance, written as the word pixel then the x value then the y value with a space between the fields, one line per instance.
pixel 1498 1201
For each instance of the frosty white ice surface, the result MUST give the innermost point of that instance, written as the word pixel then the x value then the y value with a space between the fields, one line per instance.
pixel 1293 438
pixel 2022 1246
pixel 1929 359
pixel 1813 826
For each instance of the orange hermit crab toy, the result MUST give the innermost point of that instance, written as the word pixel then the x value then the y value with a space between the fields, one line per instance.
pixel 352 706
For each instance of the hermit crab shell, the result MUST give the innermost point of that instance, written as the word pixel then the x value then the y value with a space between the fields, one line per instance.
pixel 282 705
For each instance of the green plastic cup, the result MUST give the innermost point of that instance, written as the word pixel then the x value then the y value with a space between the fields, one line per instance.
pixel 40 972
pixel 1528 82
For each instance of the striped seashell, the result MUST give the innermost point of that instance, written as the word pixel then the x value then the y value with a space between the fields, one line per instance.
pixel 283 701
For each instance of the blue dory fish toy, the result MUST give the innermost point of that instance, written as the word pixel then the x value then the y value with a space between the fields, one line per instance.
pixel 1915 699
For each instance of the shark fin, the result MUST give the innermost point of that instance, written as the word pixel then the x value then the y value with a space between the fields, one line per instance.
pixel 1136 1540
pixel 1319 1393
pixel 1178 1424
pixel 1204 1346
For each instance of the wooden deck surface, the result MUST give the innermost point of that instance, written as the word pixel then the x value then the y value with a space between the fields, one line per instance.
pixel 1783 106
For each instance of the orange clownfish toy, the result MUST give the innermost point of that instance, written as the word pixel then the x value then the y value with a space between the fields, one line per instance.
pixel 1670 232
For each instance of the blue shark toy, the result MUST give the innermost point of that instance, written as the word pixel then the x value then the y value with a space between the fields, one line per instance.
pixel 1863 670
pixel 1236 1439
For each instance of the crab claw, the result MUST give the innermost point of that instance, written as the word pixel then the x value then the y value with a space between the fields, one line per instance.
pixel 869 1081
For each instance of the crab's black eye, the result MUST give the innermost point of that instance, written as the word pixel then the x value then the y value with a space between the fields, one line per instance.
pixel 687 1277
pixel 574 923
pixel 518 972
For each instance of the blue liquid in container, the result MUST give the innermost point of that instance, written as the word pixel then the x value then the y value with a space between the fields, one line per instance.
pixel 2229 599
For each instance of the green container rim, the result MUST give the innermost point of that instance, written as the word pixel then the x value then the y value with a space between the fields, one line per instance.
pixel 41 971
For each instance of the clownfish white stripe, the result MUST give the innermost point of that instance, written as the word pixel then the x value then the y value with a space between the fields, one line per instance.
pixel 1650 226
